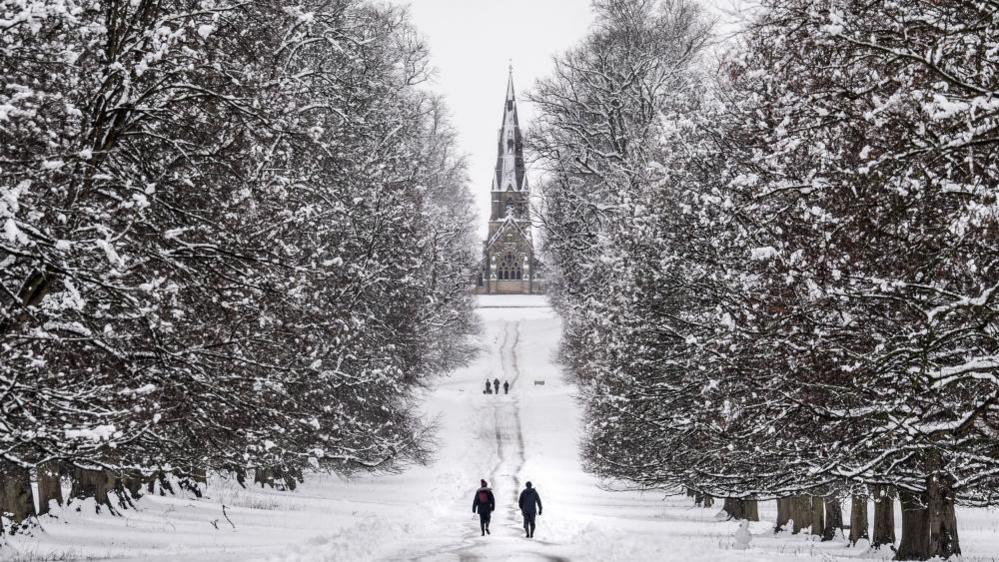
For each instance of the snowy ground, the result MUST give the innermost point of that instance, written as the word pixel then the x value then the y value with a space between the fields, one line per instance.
pixel 425 513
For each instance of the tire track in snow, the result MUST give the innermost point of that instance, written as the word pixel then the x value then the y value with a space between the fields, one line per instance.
pixel 521 454
pixel 508 436
pixel 497 421
pixel 468 540
pixel 509 431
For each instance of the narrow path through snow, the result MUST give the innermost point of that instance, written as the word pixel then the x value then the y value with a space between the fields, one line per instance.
pixel 502 412
pixel 505 475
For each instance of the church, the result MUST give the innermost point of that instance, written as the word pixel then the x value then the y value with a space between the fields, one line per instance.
pixel 508 263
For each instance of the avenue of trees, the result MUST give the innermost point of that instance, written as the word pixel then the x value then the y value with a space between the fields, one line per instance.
pixel 235 237
pixel 778 268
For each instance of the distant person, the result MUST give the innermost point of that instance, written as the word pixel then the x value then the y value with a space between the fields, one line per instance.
pixel 489 389
pixel 496 385
pixel 529 500
pixel 506 387
pixel 484 503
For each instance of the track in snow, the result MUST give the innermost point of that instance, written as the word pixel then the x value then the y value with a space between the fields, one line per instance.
pixel 509 439
pixel 505 474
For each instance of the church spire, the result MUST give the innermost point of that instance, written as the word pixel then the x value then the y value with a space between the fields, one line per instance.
pixel 510 153
pixel 509 85
pixel 508 262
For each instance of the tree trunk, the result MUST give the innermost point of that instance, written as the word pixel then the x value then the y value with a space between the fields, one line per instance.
pixel 801 512
pixel 240 476
pixel 703 500
pixel 163 479
pixel 818 515
pixel 942 520
pixel 734 508
pixel 834 518
pixel 292 477
pixel 884 518
pixel 49 485
pixel 199 475
pixel 16 499
pixel 94 484
pixel 915 542
pixel 263 477
pixel 132 481
pixel 783 513
pixel 739 508
pixel 858 519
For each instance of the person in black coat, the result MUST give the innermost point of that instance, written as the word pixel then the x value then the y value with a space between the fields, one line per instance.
pixel 529 500
pixel 485 504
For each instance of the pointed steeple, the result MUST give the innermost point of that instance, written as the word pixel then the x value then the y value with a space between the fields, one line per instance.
pixel 508 261
pixel 509 86
pixel 510 153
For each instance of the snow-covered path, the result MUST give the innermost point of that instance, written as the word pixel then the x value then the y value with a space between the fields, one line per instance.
pixel 493 433
pixel 425 513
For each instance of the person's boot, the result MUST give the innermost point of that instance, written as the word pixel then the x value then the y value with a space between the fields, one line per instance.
pixel 487 530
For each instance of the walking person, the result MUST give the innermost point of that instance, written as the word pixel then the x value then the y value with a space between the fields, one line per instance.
pixel 489 389
pixel 496 386
pixel 506 387
pixel 485 504
pixel 529 500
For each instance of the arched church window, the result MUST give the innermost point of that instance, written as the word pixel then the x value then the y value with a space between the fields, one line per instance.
pixel 510 268
pixel 509 208
pixel 509 144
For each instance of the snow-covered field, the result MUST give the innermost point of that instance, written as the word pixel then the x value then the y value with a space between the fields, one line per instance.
pixel 425 513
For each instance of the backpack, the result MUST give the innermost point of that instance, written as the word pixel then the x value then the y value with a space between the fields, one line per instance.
pixel 483 497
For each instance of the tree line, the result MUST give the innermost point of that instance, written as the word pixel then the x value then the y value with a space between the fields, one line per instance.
pixel 234 237
pixel 778 264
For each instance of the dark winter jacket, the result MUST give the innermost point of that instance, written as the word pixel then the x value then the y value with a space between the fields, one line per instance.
pixel 489 505
pixel 529 499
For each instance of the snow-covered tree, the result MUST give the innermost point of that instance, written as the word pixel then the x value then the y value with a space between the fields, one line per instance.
pixel 791 292
pixel 235 236
pixel 629 231
pixel 879 186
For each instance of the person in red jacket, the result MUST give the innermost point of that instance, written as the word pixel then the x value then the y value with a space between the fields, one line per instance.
pixel 485 504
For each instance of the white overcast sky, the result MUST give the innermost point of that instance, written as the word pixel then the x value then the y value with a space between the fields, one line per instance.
pixel 472 43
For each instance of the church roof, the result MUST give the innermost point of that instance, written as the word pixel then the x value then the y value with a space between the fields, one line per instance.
pixel 510 174
pixel 508 223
